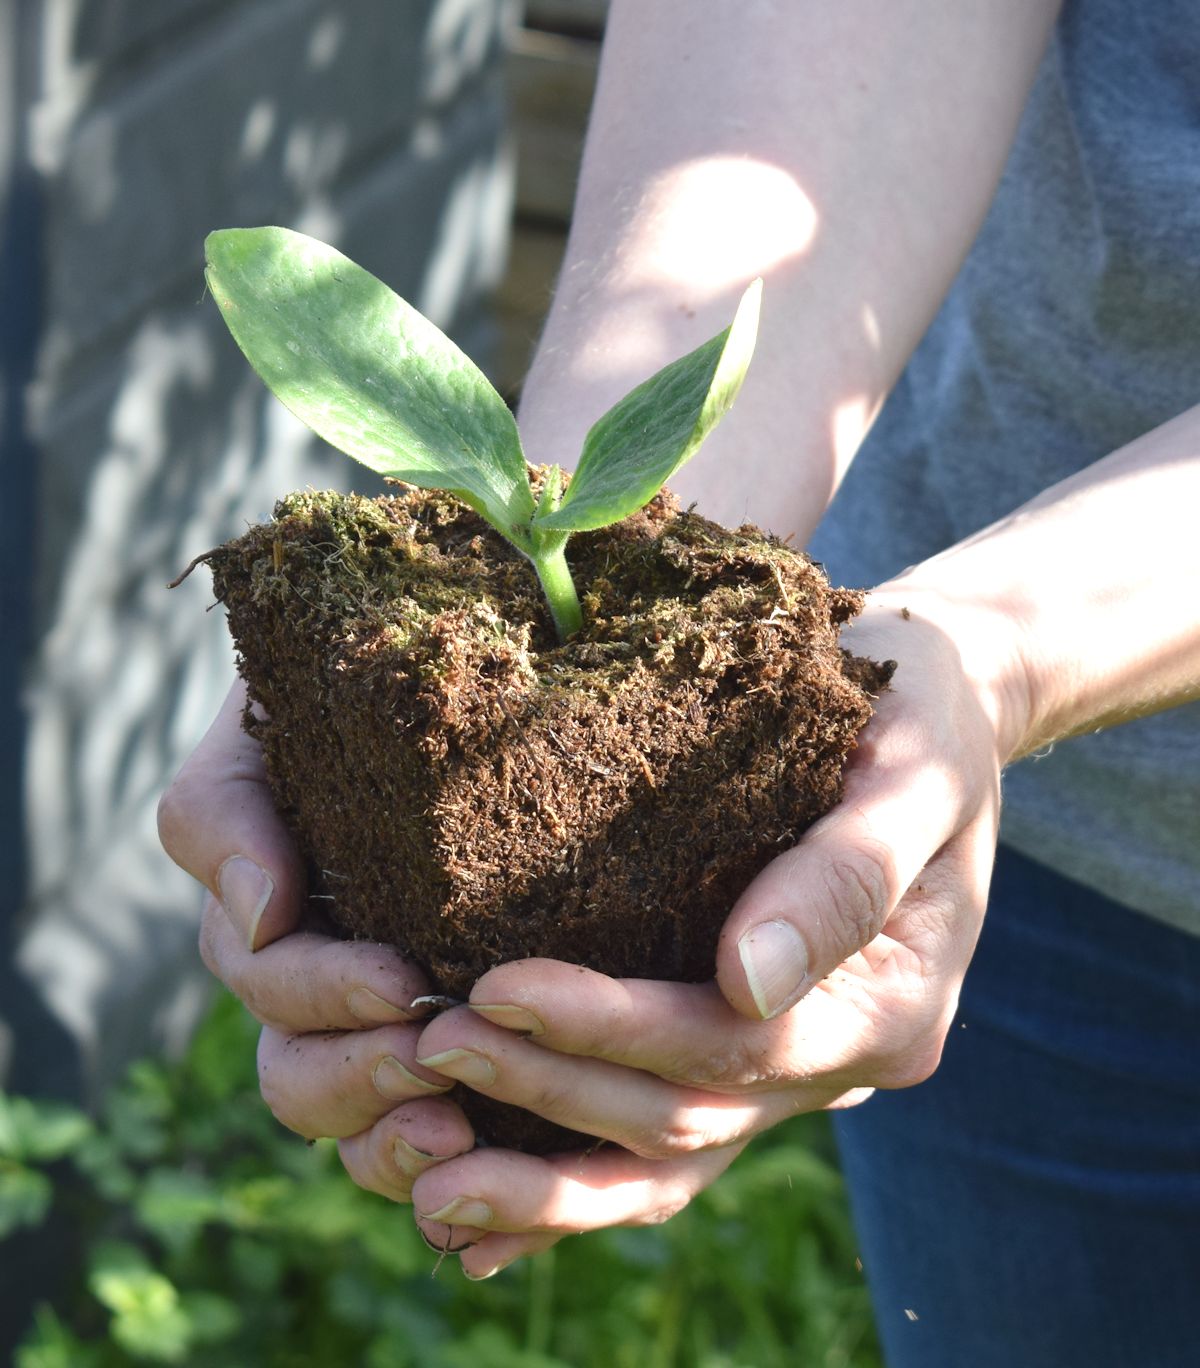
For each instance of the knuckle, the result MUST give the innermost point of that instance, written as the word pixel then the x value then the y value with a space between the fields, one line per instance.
pixel 279 1098
pixel 675 1139
pixel 181 806
pixel 279 1105
pixel 909 1067
pixel 860 889
pixel 249 992
pixel 908 1073
pixel 547 1100
pixel 740 1063
pixel 662 1211
pixel 368 1168
pixel 664 1144
pixel 208 941
pixel 176 812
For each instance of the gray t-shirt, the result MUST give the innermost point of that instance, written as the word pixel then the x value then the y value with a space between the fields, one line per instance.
pixel 1073 327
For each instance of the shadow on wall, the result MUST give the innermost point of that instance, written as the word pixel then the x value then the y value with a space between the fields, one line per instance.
pixel 377 127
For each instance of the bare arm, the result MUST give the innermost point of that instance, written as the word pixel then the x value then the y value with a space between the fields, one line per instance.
pixel 846 152
pixel 1093 584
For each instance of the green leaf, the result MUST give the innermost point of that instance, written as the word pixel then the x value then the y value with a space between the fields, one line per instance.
pixel 149 1320
pixel 40 1131
pixel 138 1111
pixel 102 1162
pixel 256 1266
pixel 211 1317
pixel 24 1197
pixel 367 372
pixel 642 441
pixel 51 1344
pixel 175 1204
pixel 261 1202
pixel 326 1210
pixel 487 1342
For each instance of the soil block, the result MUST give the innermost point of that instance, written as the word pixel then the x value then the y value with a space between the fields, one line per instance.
pixel 469 789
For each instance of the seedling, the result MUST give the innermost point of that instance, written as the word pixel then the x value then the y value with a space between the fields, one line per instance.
pixel 377 380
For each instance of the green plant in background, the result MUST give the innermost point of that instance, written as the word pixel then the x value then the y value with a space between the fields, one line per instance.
pixel 380 382
pixel 211 1236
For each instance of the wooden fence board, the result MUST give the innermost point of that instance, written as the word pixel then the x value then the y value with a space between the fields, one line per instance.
pixel 551 68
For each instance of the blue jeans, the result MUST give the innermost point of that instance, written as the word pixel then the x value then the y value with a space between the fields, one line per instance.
pixel 1036 1203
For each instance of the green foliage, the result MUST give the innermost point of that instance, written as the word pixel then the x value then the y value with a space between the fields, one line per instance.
pixel 32 1134
pixel 212 1236
pixel 641 442
pixel 366 371
pixel 378 381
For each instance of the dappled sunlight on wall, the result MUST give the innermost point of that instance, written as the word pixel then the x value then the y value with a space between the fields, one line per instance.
pixel 378 127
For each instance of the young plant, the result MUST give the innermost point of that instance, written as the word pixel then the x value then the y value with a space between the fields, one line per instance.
pixel 377 380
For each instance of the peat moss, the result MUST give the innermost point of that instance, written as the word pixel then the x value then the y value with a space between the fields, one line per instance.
pixel 469 789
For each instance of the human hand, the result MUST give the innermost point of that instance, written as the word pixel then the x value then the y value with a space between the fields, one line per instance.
pixel 336 1055
pixel 838 971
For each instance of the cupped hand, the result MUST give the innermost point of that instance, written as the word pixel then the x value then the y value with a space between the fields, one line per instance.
pixel 337 1053
pixel 838 971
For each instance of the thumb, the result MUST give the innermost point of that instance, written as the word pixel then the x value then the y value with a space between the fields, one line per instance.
pixel 813 907
pixel 218 821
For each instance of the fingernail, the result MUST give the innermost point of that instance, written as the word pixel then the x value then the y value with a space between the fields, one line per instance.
pixel 475 1070
pixel 775 960
pixel 466 1211
pixel 480 1277
pixel 374 1010
pixel 393 1081
pixel 512 1018
pixel 409 1159
pixel 246 890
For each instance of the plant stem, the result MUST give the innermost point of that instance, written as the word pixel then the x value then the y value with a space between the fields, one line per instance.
pixel 550 562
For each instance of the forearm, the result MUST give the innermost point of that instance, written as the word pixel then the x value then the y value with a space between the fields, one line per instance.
pixel 1078 611
pixel 847 153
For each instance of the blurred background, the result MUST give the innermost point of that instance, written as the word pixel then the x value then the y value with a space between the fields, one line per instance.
pixel 436 142
pixel 135 436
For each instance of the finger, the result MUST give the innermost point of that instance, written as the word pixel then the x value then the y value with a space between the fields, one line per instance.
pixel 829 1051
pixel 833 893
pixel 684 1032
pixel 389 1156
pixel 218 821
pixel 688 1034
pixel 493 1253
pixel 877 1021
pixel 501 1190
pixel 308 982
pixel 339 1083
pixel 882 1016
pixel 634 1109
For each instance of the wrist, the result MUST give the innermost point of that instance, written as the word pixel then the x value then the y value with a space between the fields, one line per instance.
pixel 980 635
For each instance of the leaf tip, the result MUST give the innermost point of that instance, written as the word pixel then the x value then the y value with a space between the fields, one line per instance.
pixel 215 242
pixel 746 317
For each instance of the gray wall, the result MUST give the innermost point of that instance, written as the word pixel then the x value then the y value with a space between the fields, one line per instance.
pixel 135 436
